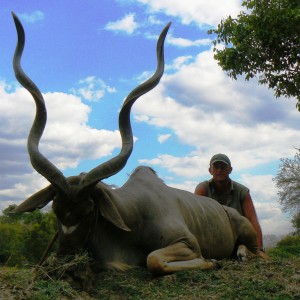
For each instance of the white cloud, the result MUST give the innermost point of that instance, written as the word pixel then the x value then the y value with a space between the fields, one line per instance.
pixel 262 187
pixel 33 17
pixel 220 116
pixel 153 20
pixel 20 187
pixel 66 141
pixel 182 42
pixel 186 166
pixel 179 62
pixel 264 195
pixel 163 137
pixel 199 11
pixel 126 24
pixel 92 88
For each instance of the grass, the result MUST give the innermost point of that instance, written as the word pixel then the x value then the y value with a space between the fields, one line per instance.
pixel 278 278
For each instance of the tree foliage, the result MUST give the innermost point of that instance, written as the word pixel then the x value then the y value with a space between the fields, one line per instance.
pixel 264 40
pixel 24 237
pixel 287 181
pixel 287 247
pixel 296 222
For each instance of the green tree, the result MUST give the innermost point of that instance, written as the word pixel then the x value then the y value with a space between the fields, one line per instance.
pixel 264 40
pixel 296 222
pixel 24 237
pixel 8 216
pixel 11 244
pixel 287 181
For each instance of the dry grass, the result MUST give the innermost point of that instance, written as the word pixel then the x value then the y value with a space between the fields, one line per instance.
pixel 73 278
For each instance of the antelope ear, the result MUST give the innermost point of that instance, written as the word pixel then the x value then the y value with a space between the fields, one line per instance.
pixel 107 208
pixel 37 200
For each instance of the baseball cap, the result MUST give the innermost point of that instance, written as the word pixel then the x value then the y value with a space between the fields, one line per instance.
pixel 220 157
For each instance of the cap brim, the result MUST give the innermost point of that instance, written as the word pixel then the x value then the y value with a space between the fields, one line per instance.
pixel 220 160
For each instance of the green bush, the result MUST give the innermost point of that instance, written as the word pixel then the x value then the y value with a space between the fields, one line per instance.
pixel 288 247
pixel 11 247
pixel 25 237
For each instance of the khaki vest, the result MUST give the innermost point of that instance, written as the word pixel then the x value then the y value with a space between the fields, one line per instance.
pixel 234 199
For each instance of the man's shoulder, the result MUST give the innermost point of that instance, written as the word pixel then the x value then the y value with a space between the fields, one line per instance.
pixel 204 183
pixel 239 186
pixel 202 188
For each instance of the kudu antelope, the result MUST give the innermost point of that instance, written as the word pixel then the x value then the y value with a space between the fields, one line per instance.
pixel 145 222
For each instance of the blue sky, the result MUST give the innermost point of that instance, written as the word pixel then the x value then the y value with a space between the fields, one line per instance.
pixel 86 56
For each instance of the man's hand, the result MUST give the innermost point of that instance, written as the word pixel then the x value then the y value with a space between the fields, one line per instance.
pixel 263 255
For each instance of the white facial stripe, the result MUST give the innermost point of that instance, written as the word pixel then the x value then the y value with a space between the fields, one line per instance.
pixel 68 229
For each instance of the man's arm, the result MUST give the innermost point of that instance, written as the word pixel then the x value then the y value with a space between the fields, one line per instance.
pixel 250 214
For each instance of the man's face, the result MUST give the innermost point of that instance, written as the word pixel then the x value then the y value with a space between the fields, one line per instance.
pixel 220 171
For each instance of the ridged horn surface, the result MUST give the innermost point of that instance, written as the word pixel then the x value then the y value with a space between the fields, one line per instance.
pixel 39 162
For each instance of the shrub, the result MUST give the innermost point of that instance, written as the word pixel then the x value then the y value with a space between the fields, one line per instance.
pixel 25 237
pixel 288 247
